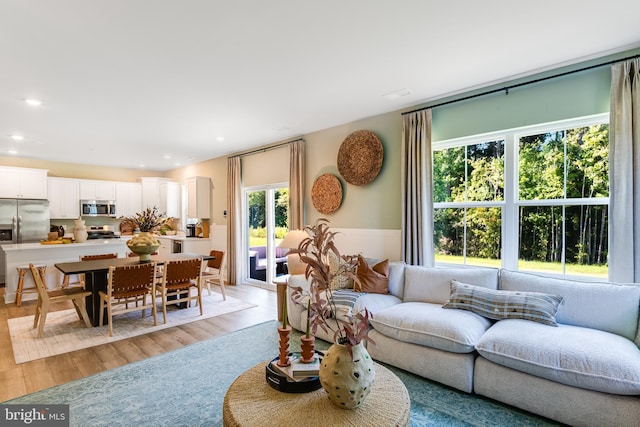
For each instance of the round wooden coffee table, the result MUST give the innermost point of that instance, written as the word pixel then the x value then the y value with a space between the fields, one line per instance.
pixel 250 401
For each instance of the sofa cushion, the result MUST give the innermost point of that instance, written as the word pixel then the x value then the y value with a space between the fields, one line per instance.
pixel 396 278
pixel 599 305
pixel 571 355
pixel 499 305
pixel 338 267
pixel 432 284
pixel 430 325
pixel 372 278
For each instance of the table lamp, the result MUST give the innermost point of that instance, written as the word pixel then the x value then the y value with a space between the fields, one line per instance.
pixel 292 241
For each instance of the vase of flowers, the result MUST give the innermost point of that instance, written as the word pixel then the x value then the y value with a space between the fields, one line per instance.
pixel 347 371
pixel 144 242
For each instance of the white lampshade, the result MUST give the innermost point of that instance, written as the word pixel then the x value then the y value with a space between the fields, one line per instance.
pixel 292 239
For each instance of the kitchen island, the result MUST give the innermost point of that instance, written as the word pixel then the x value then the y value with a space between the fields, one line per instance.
pixel 21 254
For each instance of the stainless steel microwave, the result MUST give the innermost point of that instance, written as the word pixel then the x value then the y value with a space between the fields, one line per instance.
pixel 98 208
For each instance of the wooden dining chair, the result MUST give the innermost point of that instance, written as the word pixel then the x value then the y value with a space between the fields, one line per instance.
pixel 47 297
pixel 127 284
pixel 81 277
pixel 177 281
pixel 213 271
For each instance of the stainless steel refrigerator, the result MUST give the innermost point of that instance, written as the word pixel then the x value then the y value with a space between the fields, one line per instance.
pixel 23 220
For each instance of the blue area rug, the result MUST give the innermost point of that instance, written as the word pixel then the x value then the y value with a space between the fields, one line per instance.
pixel 186 387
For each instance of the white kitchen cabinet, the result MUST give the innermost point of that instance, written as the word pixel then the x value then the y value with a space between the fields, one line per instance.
pixel 64 198
pixel 23 183
pixel 194 245
pixel 198 197
pixel 165 246
pixel 91 189
pixel 128 198
pixel 162 193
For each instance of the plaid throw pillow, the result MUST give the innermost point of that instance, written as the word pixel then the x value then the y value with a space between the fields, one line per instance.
pixel 499 305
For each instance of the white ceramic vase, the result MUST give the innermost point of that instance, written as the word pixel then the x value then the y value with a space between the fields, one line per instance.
pixel 347 380
pixel 79 231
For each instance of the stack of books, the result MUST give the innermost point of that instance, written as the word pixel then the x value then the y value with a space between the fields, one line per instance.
pixel 298 370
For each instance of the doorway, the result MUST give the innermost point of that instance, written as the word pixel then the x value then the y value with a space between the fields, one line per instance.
pixel 266 218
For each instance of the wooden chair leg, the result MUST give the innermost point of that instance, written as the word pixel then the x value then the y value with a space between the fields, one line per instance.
pixel 43 318
pixel 110 317
pixel 224 296
pixel 21 272
pixel 36 318
pixel 81 308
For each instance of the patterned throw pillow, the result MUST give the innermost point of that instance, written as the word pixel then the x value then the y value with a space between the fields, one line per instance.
pixel 373 279
pixel 341 281
pixel 498 305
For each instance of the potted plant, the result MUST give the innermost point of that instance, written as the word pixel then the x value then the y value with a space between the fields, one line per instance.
pixel 347 355
pixel 145 223
pixel 313 251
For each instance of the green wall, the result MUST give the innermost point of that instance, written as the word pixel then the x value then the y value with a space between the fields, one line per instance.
pixel 575 95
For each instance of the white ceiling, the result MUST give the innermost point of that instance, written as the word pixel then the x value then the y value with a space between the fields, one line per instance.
pixel 131 82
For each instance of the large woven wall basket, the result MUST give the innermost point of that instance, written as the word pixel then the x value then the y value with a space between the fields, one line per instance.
pixel 360 157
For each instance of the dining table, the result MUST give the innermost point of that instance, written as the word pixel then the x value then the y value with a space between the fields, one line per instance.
pixel 97 275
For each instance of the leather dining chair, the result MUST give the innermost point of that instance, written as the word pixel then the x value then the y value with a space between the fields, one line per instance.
pixel 214 271
pixel 47 297
pixel 177 281
pixel 129 284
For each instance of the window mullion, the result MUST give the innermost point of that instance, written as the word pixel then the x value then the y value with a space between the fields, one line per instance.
pixel 510 211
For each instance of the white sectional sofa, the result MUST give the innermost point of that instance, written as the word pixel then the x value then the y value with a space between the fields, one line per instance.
pixel 584 371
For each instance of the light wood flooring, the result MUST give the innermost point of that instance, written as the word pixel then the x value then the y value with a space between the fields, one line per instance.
pixel 18 380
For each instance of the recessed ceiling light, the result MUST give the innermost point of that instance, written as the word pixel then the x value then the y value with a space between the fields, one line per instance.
pixel 17 137
pixel 220 138
pixel 397 94
pixel 33 102
pixel 167 156
pixel 12 151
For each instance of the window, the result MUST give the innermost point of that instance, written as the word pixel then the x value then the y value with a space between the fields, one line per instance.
pixel 468 195
pixel 533 199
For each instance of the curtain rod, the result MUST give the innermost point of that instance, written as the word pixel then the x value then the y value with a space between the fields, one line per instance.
pixel 513 86
pixel 262 150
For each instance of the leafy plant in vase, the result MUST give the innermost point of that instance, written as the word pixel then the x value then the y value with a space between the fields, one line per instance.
pixel 346 365
pixel 144 243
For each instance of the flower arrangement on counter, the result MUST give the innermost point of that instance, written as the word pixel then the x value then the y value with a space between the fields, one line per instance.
pixel 313 251
pixel 149 220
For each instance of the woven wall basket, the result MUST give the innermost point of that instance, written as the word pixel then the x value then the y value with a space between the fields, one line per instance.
pixel 326 193
pixel 360 157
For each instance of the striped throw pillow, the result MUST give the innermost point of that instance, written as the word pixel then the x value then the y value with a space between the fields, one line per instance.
pixel 498 305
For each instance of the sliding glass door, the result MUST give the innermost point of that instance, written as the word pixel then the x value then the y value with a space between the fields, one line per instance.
pixel 266 224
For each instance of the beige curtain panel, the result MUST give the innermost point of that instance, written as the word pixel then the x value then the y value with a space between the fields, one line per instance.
pixel 417 201
pixel 624 173
pixel 234 218
pixel 297 173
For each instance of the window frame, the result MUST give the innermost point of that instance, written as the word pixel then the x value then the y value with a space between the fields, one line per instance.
pixel 511 204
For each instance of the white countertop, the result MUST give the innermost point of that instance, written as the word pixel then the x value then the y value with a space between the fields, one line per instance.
pixel 181 237
pixel 7 247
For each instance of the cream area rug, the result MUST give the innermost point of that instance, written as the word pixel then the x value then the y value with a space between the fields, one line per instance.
pixel 65 332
